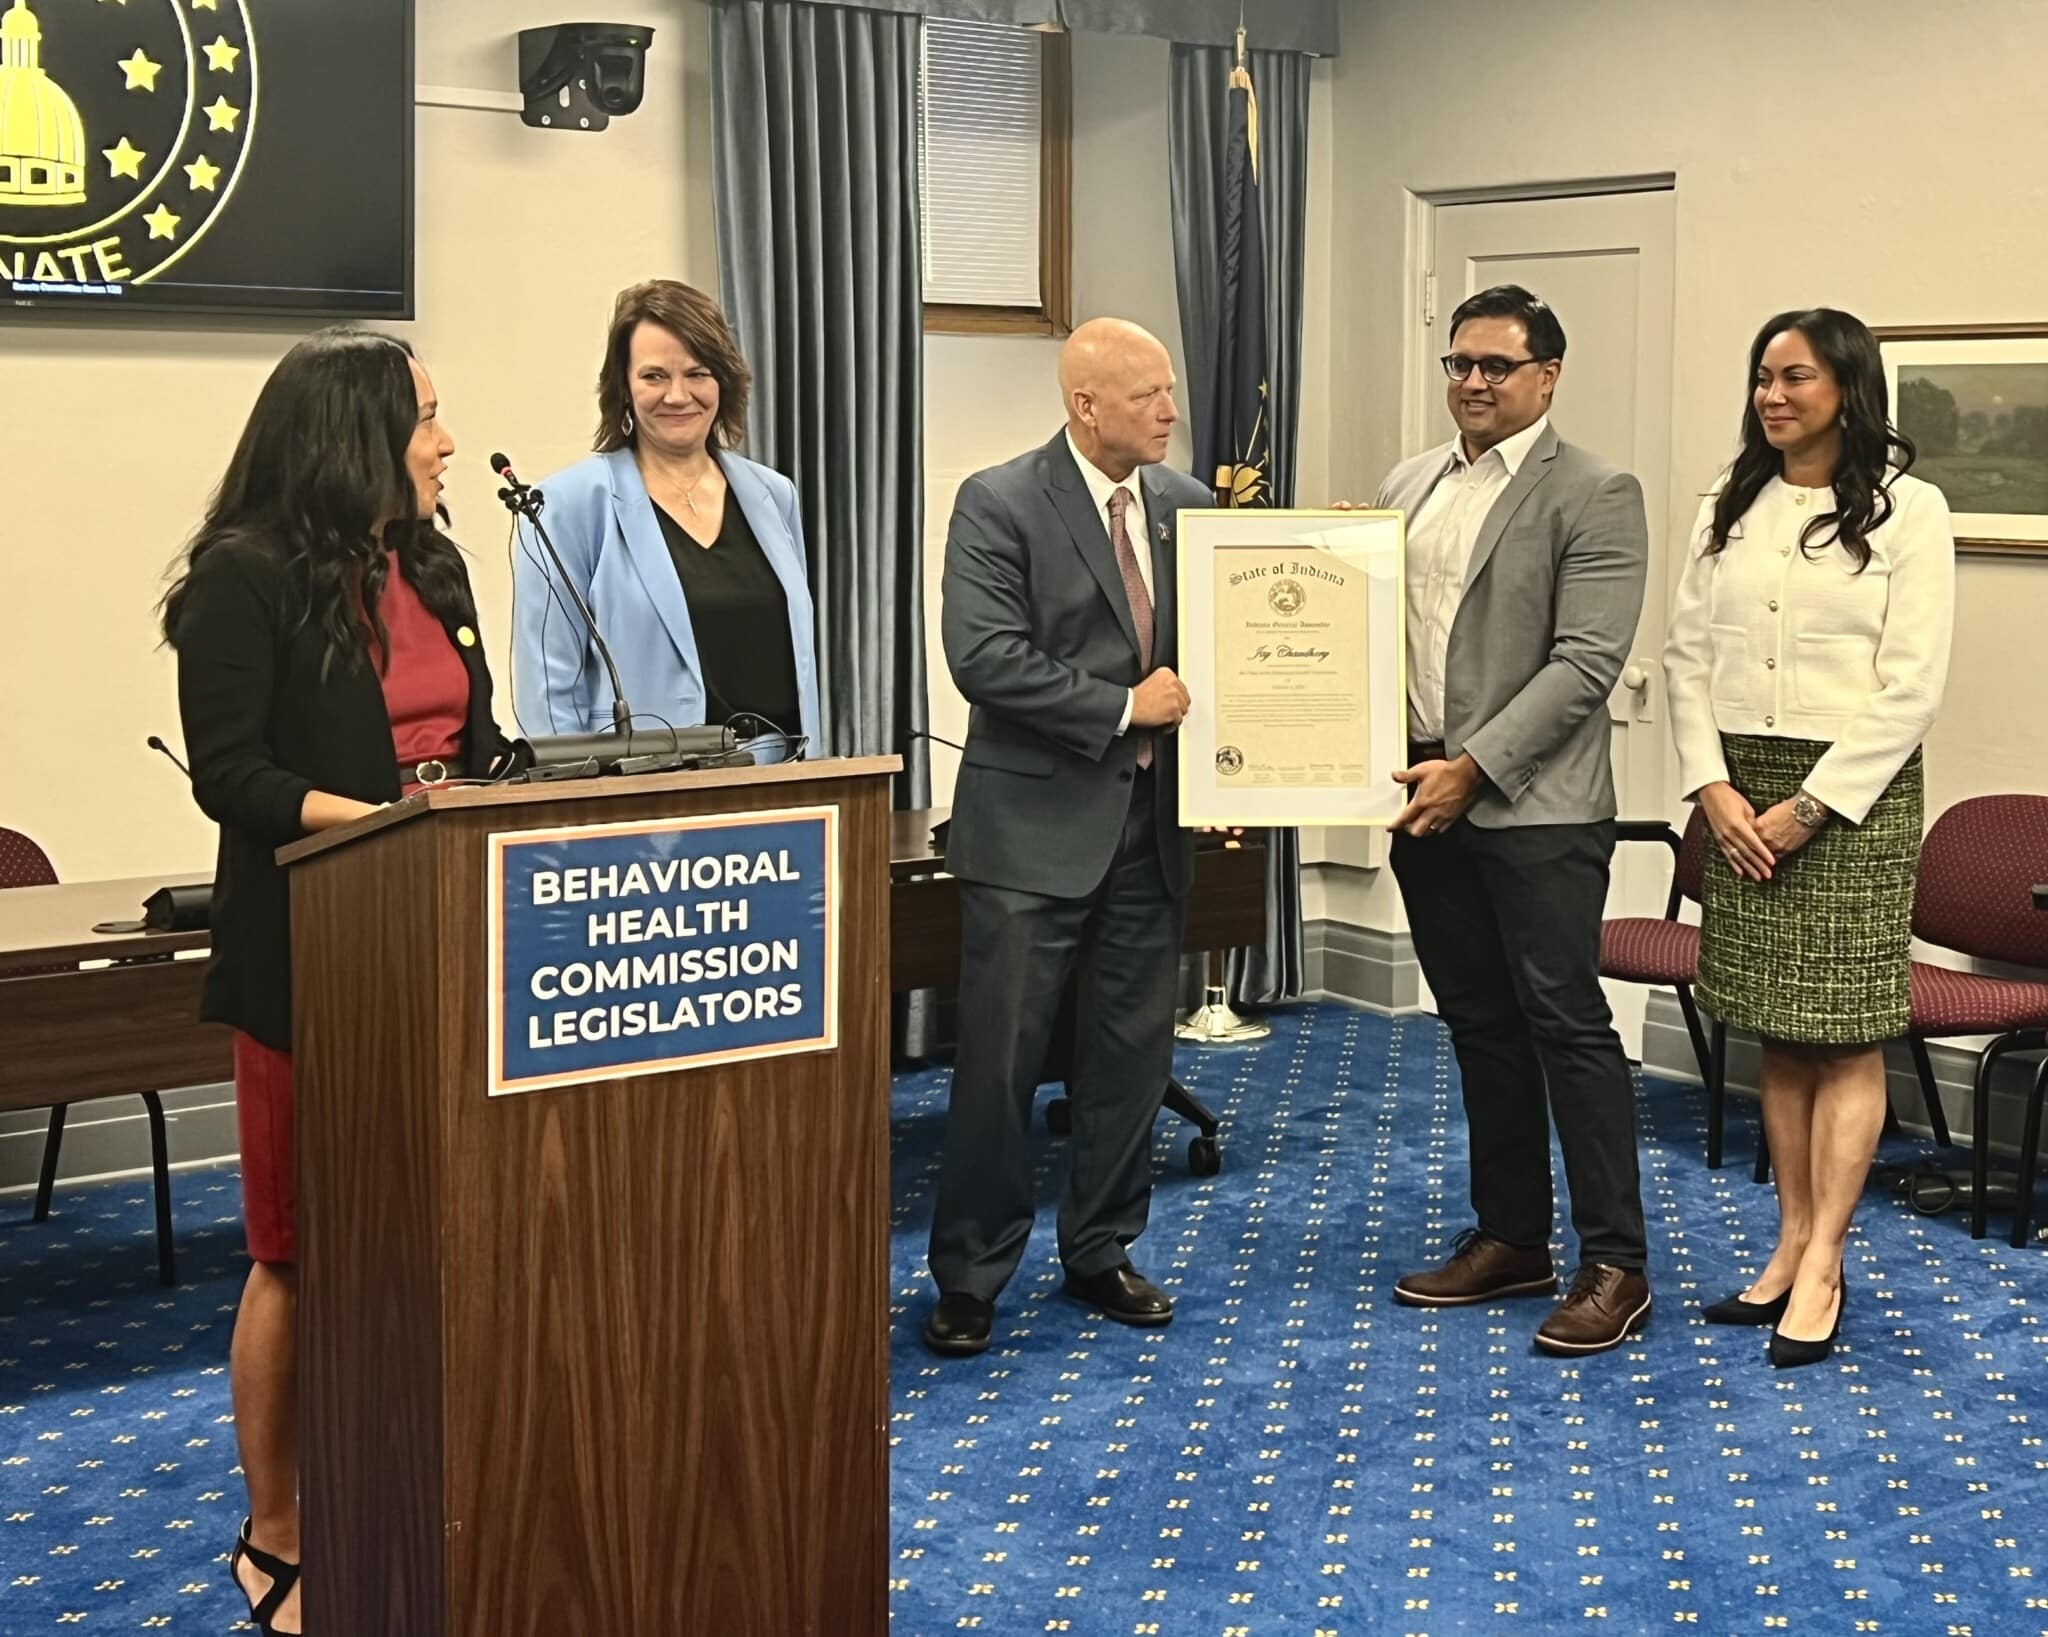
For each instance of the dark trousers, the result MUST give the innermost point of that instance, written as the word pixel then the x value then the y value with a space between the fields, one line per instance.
pixel 1507 928
pixel 1120 947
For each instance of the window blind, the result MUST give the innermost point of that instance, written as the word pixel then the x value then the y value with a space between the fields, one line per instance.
pixel 979 148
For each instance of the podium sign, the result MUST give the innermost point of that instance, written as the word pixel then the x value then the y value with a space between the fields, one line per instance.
pixel 624 949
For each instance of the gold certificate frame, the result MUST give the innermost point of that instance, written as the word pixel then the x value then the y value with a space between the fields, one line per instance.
pixel 1293 646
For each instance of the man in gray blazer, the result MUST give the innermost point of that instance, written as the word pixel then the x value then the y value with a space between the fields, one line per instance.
pixel 1059 624
pixel 1526 561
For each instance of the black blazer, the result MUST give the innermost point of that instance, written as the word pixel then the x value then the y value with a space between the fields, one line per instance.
pixel 263 727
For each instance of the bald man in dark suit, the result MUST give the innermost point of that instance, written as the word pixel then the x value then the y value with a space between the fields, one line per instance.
pixel 1059 626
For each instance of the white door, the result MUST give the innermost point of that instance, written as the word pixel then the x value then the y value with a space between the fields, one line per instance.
pixel 1604 264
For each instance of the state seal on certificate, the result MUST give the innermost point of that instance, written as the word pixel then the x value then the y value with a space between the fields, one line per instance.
pixel 1292 636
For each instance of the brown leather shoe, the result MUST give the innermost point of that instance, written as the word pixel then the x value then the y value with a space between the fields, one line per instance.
pixel 1479 1270
pixel 1604 1307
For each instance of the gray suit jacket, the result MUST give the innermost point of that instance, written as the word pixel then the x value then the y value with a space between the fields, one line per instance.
pixel 1552 597
pixel 1039 639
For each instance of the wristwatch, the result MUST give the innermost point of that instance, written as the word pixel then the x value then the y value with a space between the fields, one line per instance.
pixel 1809 812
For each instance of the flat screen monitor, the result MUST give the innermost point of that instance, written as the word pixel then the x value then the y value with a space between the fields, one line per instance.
pixel 164 157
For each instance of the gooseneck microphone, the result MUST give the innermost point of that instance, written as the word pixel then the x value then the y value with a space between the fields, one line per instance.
pixel 525 501
pixel 157 744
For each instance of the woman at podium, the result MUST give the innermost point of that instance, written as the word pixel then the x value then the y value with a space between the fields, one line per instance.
pixel 328 662
pixel 690 557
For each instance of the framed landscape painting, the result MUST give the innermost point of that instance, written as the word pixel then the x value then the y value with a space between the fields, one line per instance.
pixel 1974 400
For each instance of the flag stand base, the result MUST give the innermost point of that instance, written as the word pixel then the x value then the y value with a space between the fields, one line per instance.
pixel 1215 1024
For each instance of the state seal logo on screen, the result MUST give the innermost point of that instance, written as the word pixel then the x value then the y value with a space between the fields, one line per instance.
pixel 1287 597
pixel 123 131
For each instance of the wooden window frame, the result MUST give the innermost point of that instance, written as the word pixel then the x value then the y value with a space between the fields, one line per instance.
pixel 1054 314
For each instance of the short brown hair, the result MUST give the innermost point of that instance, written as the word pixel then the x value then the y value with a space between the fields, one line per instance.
pixel 694 319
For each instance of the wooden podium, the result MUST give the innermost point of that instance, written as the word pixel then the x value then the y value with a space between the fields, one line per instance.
pixel 603 1359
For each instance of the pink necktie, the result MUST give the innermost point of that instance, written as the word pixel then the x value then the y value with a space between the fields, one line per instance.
pixel 1134 589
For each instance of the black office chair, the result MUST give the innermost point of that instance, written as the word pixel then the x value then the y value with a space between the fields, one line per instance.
pixel 1205 1153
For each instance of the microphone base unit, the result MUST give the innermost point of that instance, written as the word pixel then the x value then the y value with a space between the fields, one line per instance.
pixel 612 755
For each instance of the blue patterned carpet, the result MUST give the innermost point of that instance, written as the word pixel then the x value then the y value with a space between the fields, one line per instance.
pixel 1295 1455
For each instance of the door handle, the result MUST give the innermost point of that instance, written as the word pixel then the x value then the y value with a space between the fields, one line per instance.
pixel 1636 677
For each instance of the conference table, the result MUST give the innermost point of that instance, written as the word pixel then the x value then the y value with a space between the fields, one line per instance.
pixel 125 1025
pixel 86 1015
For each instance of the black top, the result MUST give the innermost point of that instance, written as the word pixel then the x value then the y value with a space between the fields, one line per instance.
pixel 741 620
pixel 263 727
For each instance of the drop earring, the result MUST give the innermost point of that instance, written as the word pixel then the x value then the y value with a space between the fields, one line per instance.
pixel 626 425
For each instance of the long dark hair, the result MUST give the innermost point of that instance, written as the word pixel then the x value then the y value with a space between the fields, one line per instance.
pixel 1870 443
pixel 320 466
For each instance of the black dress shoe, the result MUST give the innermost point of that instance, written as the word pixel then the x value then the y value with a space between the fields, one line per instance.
pixel 1123 1294
pixel 959 1324
pixel 1737 1311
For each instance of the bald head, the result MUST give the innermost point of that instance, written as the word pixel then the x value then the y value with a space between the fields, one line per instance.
pixel 1117 380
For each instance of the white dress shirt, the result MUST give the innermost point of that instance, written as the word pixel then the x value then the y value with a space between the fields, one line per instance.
pixel 1440 541
pixel 1102 490
pixel 1770 639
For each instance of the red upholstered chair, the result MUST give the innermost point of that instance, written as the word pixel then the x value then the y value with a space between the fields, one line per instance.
pixel 24 864
pixel 1665 950
pixel 1977 870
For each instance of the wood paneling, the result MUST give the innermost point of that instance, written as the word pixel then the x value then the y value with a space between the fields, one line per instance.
pixel 69 1036
pixel 368 1067
pixel 610 1358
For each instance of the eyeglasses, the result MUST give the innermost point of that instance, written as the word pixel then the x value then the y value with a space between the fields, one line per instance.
pixel 1493 370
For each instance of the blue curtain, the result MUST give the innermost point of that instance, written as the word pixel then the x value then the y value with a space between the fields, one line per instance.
pixel 814 117
pixel 1200 131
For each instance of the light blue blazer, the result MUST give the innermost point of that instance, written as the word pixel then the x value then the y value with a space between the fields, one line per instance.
pixel 602 522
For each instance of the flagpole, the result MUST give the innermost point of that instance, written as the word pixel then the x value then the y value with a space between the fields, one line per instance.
pixel 1216 1022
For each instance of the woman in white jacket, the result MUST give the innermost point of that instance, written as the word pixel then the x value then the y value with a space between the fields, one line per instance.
pixel 1808 649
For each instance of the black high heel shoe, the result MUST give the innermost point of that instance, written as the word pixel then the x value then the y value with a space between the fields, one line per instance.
pixel 1737 1311
pixel 283 1577
pixel 1789 1353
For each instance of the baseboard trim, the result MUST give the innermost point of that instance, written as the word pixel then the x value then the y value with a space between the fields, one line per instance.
pixel 1368 966
pixel 1668 1054
pixel 109 1138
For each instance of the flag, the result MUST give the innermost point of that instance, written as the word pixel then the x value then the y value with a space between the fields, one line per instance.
pixel 1238 445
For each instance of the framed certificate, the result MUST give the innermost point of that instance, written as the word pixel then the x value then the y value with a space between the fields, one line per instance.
pixel 1293 646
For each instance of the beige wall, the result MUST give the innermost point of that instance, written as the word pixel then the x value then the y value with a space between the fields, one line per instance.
pixel 1866 157
pixel 508 323
pixel 988 398
pixel 115 436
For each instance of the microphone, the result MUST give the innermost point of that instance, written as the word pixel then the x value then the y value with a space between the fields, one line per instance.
pixel 155 743
pixel 525 501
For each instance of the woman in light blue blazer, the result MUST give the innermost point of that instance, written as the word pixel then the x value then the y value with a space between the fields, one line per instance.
pixel 690 557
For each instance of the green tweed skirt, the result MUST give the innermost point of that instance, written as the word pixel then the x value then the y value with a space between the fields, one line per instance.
pixel 1820 954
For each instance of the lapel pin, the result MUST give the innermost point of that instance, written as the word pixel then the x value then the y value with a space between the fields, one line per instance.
pixel 1162 532
pixel 466 637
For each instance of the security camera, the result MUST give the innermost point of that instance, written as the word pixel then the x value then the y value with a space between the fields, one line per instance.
pixel 576 76
pixel 618 69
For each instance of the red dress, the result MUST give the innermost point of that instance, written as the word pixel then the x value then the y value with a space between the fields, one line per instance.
pixel 426 692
